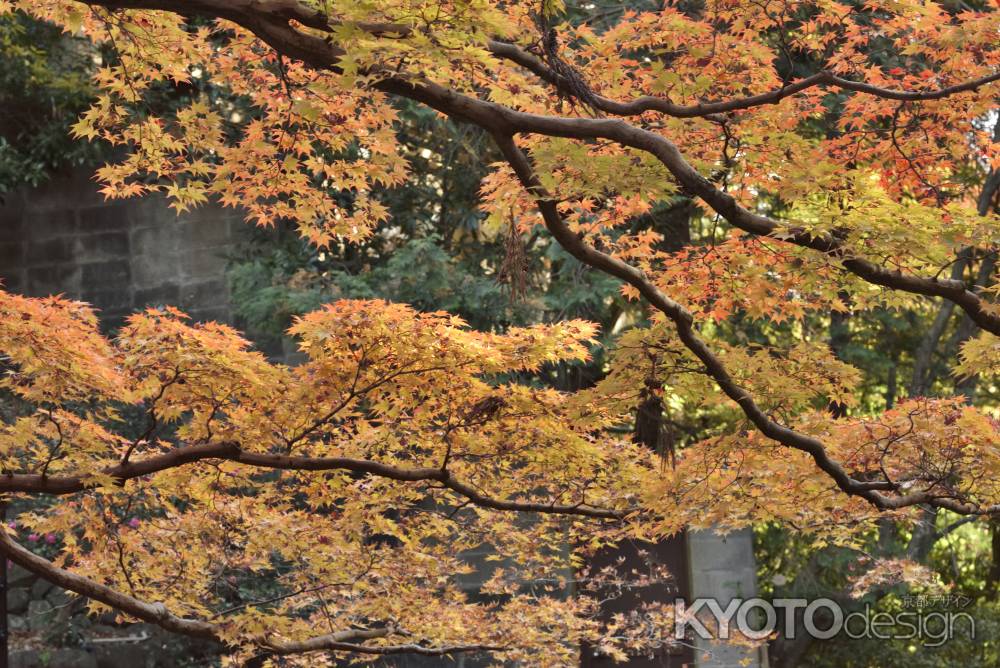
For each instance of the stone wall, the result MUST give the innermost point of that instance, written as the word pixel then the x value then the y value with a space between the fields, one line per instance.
pixel 120 256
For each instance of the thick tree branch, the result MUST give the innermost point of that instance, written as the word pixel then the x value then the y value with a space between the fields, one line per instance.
pixel 40 484
pixel 156 613
pixel 647 103
pixel 504 121
pixel 270 21
pixel 684 324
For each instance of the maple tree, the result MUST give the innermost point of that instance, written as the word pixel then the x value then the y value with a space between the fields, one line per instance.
pixel 356 480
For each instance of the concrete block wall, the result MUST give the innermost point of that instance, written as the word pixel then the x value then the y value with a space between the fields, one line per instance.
pixel 120 256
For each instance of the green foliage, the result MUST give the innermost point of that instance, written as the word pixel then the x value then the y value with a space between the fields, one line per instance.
pixel 434 252
pixel 270 290
pixel 982 651
pixel 271 283
pixel 44 86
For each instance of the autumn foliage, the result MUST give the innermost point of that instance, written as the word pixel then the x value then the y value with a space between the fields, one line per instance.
pixel 842 153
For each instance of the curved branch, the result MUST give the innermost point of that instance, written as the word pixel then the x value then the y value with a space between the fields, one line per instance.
pixel 505 121
pixel 684 324
pixel 646 103
pixel 41 484
pixel 270 20
pixel 157 613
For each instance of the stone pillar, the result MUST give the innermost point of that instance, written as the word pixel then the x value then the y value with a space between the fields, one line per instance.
pixel 722 567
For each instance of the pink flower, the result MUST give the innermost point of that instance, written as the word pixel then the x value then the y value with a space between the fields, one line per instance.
pixel 50 538
pixel 33 537
pixel 12 524
pixel 134 522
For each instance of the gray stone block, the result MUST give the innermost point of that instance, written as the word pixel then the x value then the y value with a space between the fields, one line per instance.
pixel 17 600
pixel 205 294
pixel 11 254
pixel 152 271
pixel 203 263
pixel 101 246
pixel 49 251
pixel 112 299
pixel 730 552
pixel 51 223
pixel 17 623
pixel 723 586
pixel 150 211
pixel 114 274
pixel 156 242
pixel 64 238
pixel 57 279
pixel 59 598
pixel 211 229
pixel 106 217
pixel 18 576
pixel 722 567
pixel 11 222
pixel 40 588
pixel 168 294
pixel 40 615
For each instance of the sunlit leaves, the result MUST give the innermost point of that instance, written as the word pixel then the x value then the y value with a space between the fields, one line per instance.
pixel 57 352
pixel 207 109
pixel 382 384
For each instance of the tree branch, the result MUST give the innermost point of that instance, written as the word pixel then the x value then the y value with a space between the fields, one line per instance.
pixel 157 613
pixel 647 103
pixel 269 20
pixel 504 121
pixel 38 484
pixel 684 325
